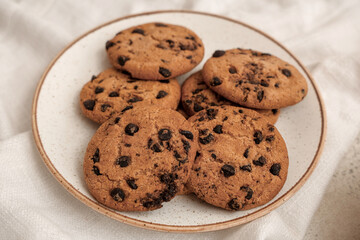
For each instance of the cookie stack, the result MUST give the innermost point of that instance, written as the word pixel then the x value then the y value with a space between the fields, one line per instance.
pixel 228 153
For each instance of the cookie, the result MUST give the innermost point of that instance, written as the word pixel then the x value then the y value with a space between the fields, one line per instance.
pixel 242 161
pixel 196 96
pixel 139 160
pixel 254 79
pixel 113 92
pixel 155 51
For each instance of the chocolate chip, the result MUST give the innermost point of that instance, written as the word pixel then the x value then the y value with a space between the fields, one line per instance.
pixel 197 91
pixel 258 137
pixel 189 57
pixel 135 99
pixel 117 194
pixel 96 156
pixel 215 82
pixel 232 70
pixel 131 129
pixel 123 161
pixel 260 162
pixel 127 108
pixel 89 104
pixel 170 42
pixel 197 155
pixel 109 44
pixel 127 145
pixel 117 119
pixel 213 156
pixel 164 134
pixel 186 145
pixel 164 72
pixel 161 47
pixel 286 72
pixel 190 37
pixel 201 119
pixel 156 147
pixel 246 153
pixel 113 94
pixel 150 141
pixel 225 118
pixel 271 128
pixel 246 168
pixel 218 129
pixel 302 91
pixel 276 85
pixel 218 53
pixel 228 170
pixel 197 107
pixel 187 47
pixel 165 81
pixel 99 90
pixel 139 31
pixel 122 60
pixel 207 139
pixel 275 169
pixel 248 190
pixel 241 111
pixel 270 138
pixel 93 78
pixel 188 102
pixel 104 107
pixel 179 157
pixel 187 134
pixel 260 95
pixel 161 94
pixel 96 170
pixel 211 113
pixel 274 111
pixel 160 25
pixel 233 205
pixel 131 183
pixel 264 83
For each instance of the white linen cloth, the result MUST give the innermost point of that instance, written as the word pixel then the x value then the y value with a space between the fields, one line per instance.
pixel 324 35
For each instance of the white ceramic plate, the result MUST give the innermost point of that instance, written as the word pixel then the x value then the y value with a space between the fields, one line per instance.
pixel 62 133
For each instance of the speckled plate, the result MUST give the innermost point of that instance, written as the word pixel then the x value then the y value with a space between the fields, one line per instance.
pixel 62 133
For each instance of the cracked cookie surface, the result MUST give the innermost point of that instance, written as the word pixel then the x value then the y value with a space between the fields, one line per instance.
pixel 155 51
pixel 254 79
pixel 113 92
pixel 140 159
pixel 196 96
pixel 242 161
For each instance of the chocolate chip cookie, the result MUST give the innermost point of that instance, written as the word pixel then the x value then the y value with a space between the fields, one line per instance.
pixel 155 51
pixel 254 79
pixel 196 96
pixel 242 161
pixel 113 92
pixel 140 159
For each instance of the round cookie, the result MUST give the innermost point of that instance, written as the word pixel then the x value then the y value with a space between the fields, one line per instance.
pixel 139 160
pixel 242 161
pixel 113 92
pixel 155 51
pixel 196 96
pixel 254 79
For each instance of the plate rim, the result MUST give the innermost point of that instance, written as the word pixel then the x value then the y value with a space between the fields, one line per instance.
pixel 176 228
